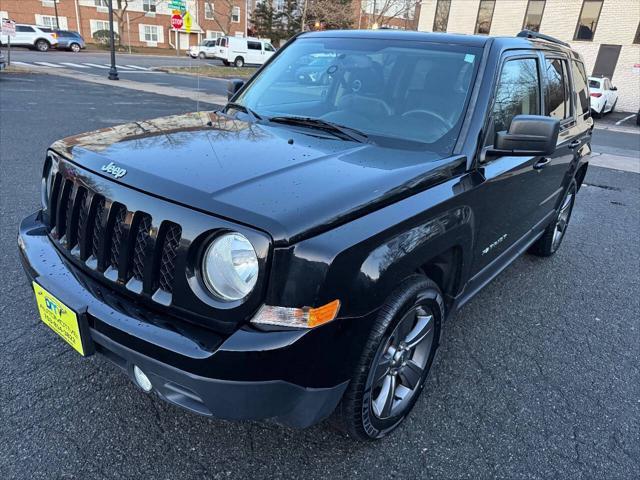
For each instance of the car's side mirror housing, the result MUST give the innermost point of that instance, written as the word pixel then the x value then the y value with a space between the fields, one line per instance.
pixel 233 86
pixel 528 135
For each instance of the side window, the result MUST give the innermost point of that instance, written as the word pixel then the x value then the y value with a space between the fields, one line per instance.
pixel 269 48
pixel 254 46
pixel 557 89
pixel 582 92
pixel 21 28
pixel 517 93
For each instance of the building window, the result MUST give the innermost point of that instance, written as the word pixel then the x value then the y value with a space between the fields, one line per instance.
pixel 637 39
pixel 588 21
pixel 606 60
pixel 533 16
pixel 214 34
pixel 485 15
pixel 102 3
pixel 518 92
pixel 209 11
pixel 235 14
pixel 150 33
pixel 48 21
pixel 441 19
pixel 149 6
pixel 96 25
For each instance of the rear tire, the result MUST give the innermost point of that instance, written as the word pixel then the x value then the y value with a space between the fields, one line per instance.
pixel 553 235
pixel 238 62
pixel 42 45
pixel 395 361
pixel 225 63
pixel 75 47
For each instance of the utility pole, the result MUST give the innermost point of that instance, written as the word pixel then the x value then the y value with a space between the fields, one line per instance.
pixel 113 71
pixel 55 5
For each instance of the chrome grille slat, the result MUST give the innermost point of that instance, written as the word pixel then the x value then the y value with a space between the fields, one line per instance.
pixel 166 272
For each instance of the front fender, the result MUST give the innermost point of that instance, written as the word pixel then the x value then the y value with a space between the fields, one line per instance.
pixel 362 261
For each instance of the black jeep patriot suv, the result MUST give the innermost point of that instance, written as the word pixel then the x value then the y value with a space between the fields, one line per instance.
pixel 296 254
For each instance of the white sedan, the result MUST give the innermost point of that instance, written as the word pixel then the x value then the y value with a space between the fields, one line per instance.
pixel 206 49
pixel 604 96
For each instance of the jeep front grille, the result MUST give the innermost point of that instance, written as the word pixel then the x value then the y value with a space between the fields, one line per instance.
pixel 112 240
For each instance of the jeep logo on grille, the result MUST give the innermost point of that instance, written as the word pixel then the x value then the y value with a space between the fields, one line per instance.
pixel 114 170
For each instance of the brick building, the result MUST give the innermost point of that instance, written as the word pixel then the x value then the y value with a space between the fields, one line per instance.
pixel 142 23
pixel 605 32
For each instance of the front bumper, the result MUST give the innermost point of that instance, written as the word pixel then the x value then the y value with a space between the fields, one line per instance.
pixel 296 377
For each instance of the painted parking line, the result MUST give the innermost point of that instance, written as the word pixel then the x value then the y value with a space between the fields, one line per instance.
pixel 119 67
pixel 23 64
pixel 625 119
pixel 95 65
pixel 138 68
pixel 74 65
pixel 47 64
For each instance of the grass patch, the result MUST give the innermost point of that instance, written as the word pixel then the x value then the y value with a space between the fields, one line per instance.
pixel 213 71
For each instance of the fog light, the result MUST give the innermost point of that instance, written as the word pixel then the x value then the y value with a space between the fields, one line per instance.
pixel 141 379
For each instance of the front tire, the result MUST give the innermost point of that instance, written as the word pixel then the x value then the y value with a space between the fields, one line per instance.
pixel 42 45
pixel 395 362
pixel 202 56
pixel 553 235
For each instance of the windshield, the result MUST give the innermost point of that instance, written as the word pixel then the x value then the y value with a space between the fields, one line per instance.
pixel 392 89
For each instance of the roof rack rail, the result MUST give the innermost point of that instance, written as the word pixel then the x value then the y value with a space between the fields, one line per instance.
pixel 548 38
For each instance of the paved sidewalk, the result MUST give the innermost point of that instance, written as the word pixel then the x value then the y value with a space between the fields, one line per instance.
pixel 616 162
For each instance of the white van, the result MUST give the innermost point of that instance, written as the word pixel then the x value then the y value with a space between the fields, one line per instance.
pixel 240 51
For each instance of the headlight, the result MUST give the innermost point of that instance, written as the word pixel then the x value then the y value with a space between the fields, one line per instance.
pixel 230 267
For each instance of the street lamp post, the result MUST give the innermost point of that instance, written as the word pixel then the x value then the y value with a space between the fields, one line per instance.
pixel 113 71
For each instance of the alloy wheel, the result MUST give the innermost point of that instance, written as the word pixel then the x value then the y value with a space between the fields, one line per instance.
pixel 401 362
pixel 75 47
pixel 563 220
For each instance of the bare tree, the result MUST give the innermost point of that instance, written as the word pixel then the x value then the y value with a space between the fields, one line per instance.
pixel 327 14
pixel 381 12
pixel 223 20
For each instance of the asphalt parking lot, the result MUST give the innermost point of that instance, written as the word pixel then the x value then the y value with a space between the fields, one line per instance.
pixel 538 376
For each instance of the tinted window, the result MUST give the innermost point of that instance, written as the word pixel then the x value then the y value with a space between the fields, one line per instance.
pixel 594 83
pixel 485 15
pixel 606 60
pixel 557 85
pixel 254 46
pixel 223 42
pixel 395 91
pixel 588 20
pixel 580 83
pixel 518 92
pixel 533 17
pixel 441 18
pixel 22 28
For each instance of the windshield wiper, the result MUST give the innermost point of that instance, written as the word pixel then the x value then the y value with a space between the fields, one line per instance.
pixel 336 129
pixel 237 106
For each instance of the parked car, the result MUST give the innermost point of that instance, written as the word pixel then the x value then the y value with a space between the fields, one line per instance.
pixel 206 49
pixel 30 36
pixel 638 117
pixel 298 253
pixel 67 39
pixel 240 51
pixel 604 95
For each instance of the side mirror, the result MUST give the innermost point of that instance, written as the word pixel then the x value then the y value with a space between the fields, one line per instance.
pixel 528 135
pixel 615 89
pixel 233 86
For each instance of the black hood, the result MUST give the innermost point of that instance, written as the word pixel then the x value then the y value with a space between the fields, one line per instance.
pixel 286 181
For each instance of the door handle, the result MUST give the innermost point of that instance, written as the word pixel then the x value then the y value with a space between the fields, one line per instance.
pixel 543 162
pixel 575 144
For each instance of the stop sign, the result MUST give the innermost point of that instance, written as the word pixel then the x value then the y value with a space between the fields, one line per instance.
pixel 176 22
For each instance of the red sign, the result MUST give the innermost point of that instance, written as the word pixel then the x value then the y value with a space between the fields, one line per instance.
pixel 176 22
